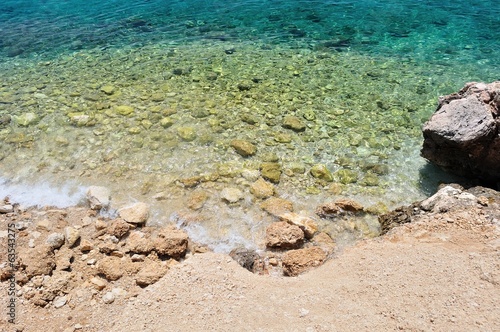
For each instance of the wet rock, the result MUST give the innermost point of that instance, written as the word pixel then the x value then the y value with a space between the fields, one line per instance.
pixel 298 261
pixel 166 122
pixel 150 273
pixel 249 118
pixel 243 148
pixel 98 197
pixel 271 171
pixel 136 213
pixel 196 200
pixel 306 224
pixel 294 123
pixel 338 207
pixel 276 206
pixel 283 235
pixel 108 89
pixel 72 235
pixel 187 134
pixel 231 195
pixel 171 242
pixel 320 171
pixel 55 240
pixel 262 189
pixel 111 267
pixel 27 119
pixel 345 176
pixel 37 261
pixel 118 228
pixel 461 136
pixel 250 174
pixel 124 110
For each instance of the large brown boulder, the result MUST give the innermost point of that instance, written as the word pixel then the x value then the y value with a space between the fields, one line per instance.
pixel 462 136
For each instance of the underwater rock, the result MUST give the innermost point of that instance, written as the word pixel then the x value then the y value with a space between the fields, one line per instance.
pixel 271 171
pixel 339 207
pixel 345 176
pixel 243 148
pixel 262 189
pixel 27 119
pixel 124 110
pixel 231 195
pixel 284 236
pixel 462 135
pixel 276 206
pixel 294 123
pixel 320 171
pixel 187 134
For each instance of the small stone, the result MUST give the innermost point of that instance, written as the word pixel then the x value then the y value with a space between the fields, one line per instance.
pixel 92 261
pixel 59 301
pixel 231 195
pixel 55 240
pixel 320 171
pixel 262 189
pixel 187 134
pixel 171 242
pixel 139 242
pixel 294 123
pixel 345 176
pixel 108 298
pixel 43 225
pixel 7 208
pixel 111 268
pixel 86 245
pixel 98 283
pixel 166 122
pixel 250 174
pixel 72 235
pixel 137 258
pixel 196 200
pixel 243 148
pixel 150 274
pixel 136 213
pixel 100 224
pixel 98 197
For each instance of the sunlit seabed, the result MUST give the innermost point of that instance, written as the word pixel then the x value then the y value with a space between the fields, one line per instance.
pixel 363 94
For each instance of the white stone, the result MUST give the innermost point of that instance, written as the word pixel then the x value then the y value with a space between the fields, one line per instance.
pixel 108 298
pixel 59 301
pixel 98 197
pixel 7 208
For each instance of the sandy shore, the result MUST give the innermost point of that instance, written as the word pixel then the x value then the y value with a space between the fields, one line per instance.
pixel 438 273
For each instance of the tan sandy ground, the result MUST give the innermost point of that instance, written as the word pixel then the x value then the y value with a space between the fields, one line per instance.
pixel 434 275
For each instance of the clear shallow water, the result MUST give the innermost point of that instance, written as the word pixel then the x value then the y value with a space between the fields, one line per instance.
pixel 362 76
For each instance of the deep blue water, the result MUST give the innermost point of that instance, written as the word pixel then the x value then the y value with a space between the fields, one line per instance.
pixel 459 30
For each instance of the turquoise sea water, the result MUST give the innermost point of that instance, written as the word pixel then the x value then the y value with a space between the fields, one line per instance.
pixel 361 76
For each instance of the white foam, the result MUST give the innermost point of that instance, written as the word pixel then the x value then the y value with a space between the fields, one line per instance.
pixel 41 194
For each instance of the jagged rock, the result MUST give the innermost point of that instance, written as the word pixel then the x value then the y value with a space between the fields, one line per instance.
pixel 98 197
pixel 462 135
pixel 171 242
pixel 118 228
pixel 308 226
pixel 324 241
pixel 271 171
pixel 298 261
pixel 136 213
pixel 339 207
pixel 284 236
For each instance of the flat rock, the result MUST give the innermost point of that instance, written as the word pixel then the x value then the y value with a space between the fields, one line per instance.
pixel 276 206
